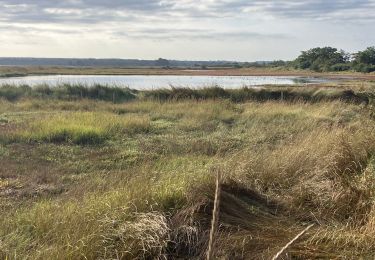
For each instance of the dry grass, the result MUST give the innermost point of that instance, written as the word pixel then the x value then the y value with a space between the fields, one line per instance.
pixel 278 71
pixel 147 191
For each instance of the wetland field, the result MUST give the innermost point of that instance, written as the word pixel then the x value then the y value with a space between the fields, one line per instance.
pixel 105 172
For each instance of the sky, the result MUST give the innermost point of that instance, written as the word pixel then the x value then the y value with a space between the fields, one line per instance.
pixel 241 30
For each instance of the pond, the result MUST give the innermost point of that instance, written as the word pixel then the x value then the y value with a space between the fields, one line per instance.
pixel 144 82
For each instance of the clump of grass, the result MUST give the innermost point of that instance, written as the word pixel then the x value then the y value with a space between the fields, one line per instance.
pixel 68 92
pixel 99 92
pixel 209 116
pixel 13 93
pixel 3 150
pixel 307 94
pixel 145 236
pixel 81 128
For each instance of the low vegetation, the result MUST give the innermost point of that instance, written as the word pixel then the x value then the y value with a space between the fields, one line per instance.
pixel 91 178
pixel 67 91
pixel 319 59
pixel 80 128
pixel 360 93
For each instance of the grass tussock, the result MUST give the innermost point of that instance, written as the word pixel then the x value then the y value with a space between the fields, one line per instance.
pixel 68 92
pixel 80 128
pixel 358 94
pixel 144 188
pixel 309 94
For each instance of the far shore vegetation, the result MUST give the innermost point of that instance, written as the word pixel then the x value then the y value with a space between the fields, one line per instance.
pixel 317 60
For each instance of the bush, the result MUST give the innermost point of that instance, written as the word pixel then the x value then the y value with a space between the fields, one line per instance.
pixel 365 68
pixel 340 67
pixel 364 61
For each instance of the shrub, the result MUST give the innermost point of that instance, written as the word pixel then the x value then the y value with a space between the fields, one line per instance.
pixel 340 67
pixel 365 68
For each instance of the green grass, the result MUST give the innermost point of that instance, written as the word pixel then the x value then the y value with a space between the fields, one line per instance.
pixel 355 94
pixel 68 92
pixel 80 128
pixel 95 179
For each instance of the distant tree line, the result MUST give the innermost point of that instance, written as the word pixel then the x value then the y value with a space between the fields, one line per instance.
pixel 331 59
pixel 320 59
pixel 117 63
pixel 323 59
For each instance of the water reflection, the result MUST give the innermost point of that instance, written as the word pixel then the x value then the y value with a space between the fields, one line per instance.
pixel 153 82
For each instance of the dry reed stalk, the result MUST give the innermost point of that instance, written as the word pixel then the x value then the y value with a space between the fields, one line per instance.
pixel 215 219
pixel 291 242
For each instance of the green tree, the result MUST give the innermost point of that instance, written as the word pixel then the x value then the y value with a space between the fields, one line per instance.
pixel 364 61
pixel 321 59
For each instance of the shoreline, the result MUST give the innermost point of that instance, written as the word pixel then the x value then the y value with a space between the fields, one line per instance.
pixel 7 72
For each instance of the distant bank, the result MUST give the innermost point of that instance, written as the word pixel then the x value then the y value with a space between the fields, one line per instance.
pixel 89 62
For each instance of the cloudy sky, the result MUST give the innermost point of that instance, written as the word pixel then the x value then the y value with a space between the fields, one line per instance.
pixel 244 30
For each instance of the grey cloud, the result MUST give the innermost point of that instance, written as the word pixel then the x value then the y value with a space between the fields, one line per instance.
pixel 196 34
pixel 292 9
pixel 315 9
pixel 34 30
pixel 77 11
pixel 83 4
pixel 97 11
pixel 83 13
pixel 319 8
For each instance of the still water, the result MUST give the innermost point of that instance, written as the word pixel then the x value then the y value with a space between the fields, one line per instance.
pixel 143 82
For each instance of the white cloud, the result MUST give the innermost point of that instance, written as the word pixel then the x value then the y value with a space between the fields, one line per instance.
pixel 122 28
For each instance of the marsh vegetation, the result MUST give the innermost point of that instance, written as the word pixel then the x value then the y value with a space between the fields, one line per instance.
pixel 84 176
